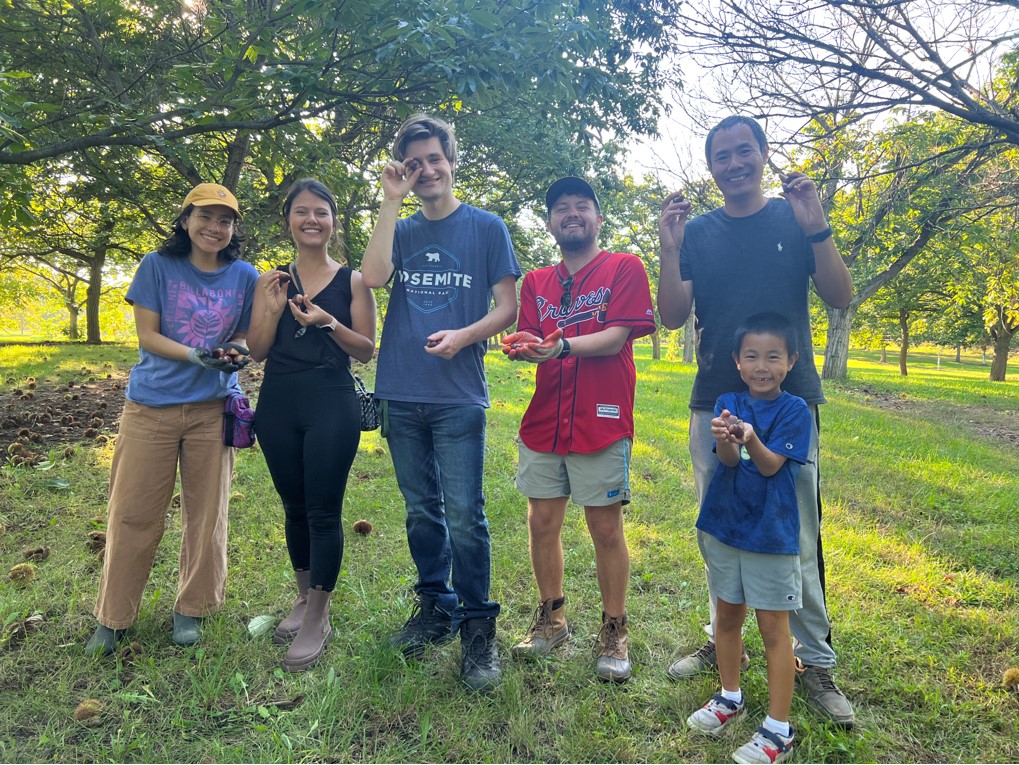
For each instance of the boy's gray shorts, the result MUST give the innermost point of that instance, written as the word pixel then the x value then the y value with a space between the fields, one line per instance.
pixel 761 580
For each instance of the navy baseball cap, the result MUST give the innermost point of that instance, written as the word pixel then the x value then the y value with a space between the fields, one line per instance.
pixel 570 185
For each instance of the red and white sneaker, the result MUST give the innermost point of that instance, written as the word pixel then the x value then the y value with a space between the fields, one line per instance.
pixel 765 748
pixel 715 716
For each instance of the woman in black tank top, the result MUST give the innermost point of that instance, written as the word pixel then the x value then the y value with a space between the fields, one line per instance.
pixel 309 318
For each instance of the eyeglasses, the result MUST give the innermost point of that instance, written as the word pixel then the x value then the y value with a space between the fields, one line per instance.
pixel 567 299
pixel 207 220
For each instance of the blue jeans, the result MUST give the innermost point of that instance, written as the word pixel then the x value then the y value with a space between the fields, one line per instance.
pixel 438 453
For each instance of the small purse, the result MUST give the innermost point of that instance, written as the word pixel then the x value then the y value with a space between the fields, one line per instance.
pixel 370 419
pixel 238 421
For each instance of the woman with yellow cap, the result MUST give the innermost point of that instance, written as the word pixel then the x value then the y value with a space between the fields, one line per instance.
pixel 192 306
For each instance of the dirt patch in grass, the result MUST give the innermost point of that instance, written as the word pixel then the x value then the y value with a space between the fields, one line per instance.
pixel 983 422
pixel 34 419
pixel 38 418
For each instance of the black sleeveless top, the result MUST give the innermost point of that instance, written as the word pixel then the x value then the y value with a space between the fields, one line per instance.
pixel 314 348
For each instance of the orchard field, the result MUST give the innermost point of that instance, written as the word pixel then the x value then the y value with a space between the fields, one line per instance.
pixel 921 486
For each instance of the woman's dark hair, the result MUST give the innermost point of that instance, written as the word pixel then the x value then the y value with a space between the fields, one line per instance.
pixel 316 187
pixel 178 244
pixel 767 324
pixel 319 189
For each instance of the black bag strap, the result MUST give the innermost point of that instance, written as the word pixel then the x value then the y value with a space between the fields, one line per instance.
pixel 292 268
pixel 358 382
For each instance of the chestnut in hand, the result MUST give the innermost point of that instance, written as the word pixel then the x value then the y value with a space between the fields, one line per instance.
pixel 234 354
pixel 735 425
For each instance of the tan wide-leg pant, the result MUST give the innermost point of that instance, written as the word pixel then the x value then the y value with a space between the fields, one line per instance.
pixel 151 444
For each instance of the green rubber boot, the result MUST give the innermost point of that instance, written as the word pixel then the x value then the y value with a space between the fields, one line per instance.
pixel 104 641
pixel 186 629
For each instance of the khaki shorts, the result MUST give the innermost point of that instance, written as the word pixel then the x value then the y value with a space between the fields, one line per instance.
pixel 593 480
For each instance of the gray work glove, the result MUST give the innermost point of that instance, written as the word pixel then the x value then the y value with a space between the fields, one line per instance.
pixel 218 360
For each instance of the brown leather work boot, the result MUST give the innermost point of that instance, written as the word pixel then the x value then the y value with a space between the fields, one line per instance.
pixel 548 629
pixel 613 649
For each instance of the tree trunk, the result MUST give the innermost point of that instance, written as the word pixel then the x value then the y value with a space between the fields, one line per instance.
pixel 69 292
pixel 346 245
pixel 237 152
pixel 689 342
pixel 93 335
pixel 903 341
pixel 958 354
pixel 72 322
pixel 884 355
pixel 656 346
pixel 836 352
pixel 1002 334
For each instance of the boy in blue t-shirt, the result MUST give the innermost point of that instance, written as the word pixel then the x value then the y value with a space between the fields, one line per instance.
pixel 748 530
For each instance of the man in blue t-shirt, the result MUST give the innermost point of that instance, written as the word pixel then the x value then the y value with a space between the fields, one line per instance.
pixel 756 254
pixel 449 262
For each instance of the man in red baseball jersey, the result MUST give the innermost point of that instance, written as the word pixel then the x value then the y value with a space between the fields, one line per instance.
pixel 578 320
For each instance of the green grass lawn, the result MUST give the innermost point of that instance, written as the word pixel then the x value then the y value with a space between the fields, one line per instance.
pixel 921 488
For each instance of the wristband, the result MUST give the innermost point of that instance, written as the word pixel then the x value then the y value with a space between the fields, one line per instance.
pixel 820 236
pixel 566 349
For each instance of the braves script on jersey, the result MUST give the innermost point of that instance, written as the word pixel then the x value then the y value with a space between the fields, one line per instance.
pixel 585 404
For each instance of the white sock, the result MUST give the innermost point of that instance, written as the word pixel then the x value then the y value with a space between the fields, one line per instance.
pixel 781 728
pixel 734 696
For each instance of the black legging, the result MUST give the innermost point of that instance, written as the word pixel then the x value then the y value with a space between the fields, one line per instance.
pixel 308 425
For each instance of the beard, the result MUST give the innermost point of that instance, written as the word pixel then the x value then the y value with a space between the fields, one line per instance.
pixel 575 242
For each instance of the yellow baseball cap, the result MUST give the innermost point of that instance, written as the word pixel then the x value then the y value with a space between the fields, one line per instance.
pixel 205 194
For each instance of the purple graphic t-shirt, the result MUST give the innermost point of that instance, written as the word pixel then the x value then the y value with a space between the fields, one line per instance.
pixel 197 308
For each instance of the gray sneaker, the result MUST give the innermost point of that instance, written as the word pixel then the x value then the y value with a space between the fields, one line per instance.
pixel 824 695
pixel 701 660
pixel 186 629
